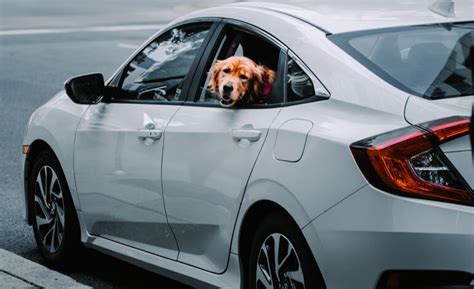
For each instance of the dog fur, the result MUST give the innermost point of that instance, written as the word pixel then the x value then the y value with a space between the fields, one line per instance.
pixel 239 81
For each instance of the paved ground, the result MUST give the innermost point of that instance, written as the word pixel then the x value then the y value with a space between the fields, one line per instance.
pixel 33 66
pixel 18 272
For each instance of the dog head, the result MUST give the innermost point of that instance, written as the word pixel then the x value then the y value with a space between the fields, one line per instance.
pixel 239 80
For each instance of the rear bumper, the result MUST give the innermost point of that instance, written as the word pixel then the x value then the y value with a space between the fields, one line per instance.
pixel 372 232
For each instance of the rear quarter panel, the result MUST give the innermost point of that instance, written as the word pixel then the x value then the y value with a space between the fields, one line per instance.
pixel 326 172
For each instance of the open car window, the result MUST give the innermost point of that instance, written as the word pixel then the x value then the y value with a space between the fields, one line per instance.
pixel 158 71
pixel 236 42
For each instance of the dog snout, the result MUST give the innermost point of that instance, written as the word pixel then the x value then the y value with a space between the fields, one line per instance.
pixel 228 87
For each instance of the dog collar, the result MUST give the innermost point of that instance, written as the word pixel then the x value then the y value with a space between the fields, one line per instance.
pixel 267 88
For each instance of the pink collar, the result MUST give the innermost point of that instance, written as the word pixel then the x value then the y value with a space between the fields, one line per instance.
pixel 267 88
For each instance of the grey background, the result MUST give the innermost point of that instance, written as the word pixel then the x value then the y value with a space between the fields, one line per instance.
pixel 34 63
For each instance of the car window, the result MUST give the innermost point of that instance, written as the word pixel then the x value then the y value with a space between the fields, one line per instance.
pixel 299 84
pixel 236 42
pixel 158 71
pixel 303 86
pixel 432 61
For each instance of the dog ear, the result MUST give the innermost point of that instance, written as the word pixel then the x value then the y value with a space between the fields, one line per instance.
pixel 264 76
pixel 214 81
pixel 269 76
pixel 258 79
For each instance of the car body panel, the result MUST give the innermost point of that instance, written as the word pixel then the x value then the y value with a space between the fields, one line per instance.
pixel 205 172
pixel 457 145
pixel 372 231
pixel 459 152
pixel 294 185
pixel 184 273
pixel 59 135
pixel 344 16
pixel 462 161
pixel 291 140
pixel 118 175
pixel 335 126
pixel 419 110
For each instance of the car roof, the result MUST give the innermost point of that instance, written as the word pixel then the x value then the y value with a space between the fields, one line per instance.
pixel 345 16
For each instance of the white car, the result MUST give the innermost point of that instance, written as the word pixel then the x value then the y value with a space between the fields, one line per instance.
pixel 356 173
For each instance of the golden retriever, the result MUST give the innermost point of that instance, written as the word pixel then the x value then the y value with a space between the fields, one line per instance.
pixel 239 81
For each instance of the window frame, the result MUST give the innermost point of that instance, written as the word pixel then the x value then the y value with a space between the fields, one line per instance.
pixel 117 79
pixel 282 73
pixel 212 50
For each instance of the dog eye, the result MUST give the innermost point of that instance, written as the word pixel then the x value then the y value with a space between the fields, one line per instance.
pixel 243 76
pixel 226 70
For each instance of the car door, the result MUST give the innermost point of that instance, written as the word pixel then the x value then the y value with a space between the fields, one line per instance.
pixel 209 155
pixel 119 143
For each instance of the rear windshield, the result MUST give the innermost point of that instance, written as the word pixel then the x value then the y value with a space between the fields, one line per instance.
pixel 433 61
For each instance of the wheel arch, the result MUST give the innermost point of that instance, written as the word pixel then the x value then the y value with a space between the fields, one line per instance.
pixel 258 211
pixel 249 225
pixel 262 198
pixel 36 147
pixel 266 193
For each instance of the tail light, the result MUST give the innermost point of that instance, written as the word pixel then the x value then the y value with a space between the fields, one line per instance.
pixel 409 162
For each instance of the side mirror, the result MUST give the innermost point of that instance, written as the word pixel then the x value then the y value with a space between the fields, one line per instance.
pixel 85 89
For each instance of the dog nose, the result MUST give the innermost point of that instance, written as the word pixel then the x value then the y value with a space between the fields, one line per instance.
pixel 228 87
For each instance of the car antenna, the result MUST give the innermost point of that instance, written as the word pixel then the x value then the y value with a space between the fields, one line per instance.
pixel 443 7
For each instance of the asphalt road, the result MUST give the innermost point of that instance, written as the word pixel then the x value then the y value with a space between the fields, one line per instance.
pixel 42 43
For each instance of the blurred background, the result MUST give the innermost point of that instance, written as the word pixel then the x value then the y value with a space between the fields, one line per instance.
pixel 42 43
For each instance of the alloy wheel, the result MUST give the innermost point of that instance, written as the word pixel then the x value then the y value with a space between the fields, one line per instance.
pixel 278 265
pixel 49 209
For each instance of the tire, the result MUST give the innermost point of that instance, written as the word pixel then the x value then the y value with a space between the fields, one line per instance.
pixel 54 219
pixel 297 268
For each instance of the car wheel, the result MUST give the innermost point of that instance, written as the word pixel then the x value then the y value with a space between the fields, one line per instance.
pixel 280 258
pixel 54 219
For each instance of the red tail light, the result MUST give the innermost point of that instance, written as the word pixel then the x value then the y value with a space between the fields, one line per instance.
pixel 409 161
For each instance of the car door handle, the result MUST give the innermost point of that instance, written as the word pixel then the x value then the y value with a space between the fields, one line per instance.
pixel 247 134
pixel 153 134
